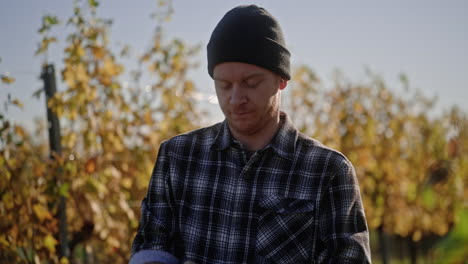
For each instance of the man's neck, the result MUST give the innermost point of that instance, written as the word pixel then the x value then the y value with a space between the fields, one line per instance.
pixel 261 138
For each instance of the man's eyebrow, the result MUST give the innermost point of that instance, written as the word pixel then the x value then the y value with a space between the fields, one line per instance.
pixel 253 75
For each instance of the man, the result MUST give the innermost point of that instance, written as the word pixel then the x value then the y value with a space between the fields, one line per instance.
pixel 251 189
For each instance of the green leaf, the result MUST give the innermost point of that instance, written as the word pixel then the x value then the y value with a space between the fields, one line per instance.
pixel 8 200
pixel 52 20
pixel 64 190
pixel 38 93
pixel 47 23
pixel 93 3
pixel 50 242
pixel 428 198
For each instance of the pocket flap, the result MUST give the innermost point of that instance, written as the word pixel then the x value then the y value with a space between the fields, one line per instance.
pixel 286 205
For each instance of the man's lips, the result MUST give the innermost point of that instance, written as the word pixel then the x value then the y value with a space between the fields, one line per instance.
pixel 241 114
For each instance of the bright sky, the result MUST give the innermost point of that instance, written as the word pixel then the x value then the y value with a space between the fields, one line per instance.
pixel 426 40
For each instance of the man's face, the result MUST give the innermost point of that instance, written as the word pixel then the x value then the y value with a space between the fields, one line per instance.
pixel 248 95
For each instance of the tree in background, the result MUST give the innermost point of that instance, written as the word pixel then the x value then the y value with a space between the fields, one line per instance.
pixel 109 138
pixel 412 167
pixel 28 225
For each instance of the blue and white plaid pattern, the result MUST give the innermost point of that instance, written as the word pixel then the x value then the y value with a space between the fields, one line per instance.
pixel 294 201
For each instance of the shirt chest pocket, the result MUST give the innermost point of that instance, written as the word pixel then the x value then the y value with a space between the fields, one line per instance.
pixel 285 229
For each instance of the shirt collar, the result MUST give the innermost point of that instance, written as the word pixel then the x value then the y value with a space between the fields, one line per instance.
pixel 283 143
pixel 223 139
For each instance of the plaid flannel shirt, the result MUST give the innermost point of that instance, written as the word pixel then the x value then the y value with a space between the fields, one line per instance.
pixel 294 201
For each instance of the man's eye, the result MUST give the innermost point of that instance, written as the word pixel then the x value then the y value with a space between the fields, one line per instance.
pixel 222 85
pixel 252 84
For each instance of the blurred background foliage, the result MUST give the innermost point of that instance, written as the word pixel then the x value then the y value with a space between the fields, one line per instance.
pixel 412 165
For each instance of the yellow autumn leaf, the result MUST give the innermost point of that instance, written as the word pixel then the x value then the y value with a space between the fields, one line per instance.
pixel 7 175
pixel 50 242
pixel 147 117
pixel 4 241
pixel 44 45
pixel 98 52
pixel 110 68
pixel 127 183
pixel 41 212
pixel 73 114
pixel 79 50
pixel 114 242
pixel 91 165
pixel 64 260
pixel 81 73
pixel 68 76
pixel 39 169
pixel 145 57
pixel 69 139
pixel 8 201
pixel 19 131
pixel 17 103
pixel 106 81
pixel 453 148
pixel 108 115
pixel 7 79
pixel 417 235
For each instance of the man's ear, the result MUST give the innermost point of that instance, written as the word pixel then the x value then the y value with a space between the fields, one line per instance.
pixel 283 83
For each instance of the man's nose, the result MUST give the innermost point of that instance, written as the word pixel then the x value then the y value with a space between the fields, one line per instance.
pixel 238 95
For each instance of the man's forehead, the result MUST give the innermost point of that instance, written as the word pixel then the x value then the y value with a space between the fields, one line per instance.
pixel 237 70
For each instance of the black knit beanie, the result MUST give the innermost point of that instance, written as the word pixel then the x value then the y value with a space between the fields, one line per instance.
pixel 249 34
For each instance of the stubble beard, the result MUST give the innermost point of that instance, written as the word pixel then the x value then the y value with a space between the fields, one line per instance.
pixel 258 124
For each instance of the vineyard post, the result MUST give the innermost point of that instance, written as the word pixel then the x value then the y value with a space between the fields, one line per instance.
pixel 48 76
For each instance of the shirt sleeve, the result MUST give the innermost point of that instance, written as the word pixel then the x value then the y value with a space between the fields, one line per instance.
pixel 155 235
pixel 342 223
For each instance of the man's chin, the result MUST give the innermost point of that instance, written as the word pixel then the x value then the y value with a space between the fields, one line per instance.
pixel 243 127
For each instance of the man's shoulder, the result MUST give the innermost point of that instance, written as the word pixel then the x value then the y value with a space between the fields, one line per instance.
pixel 314 151
pixel 202 137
